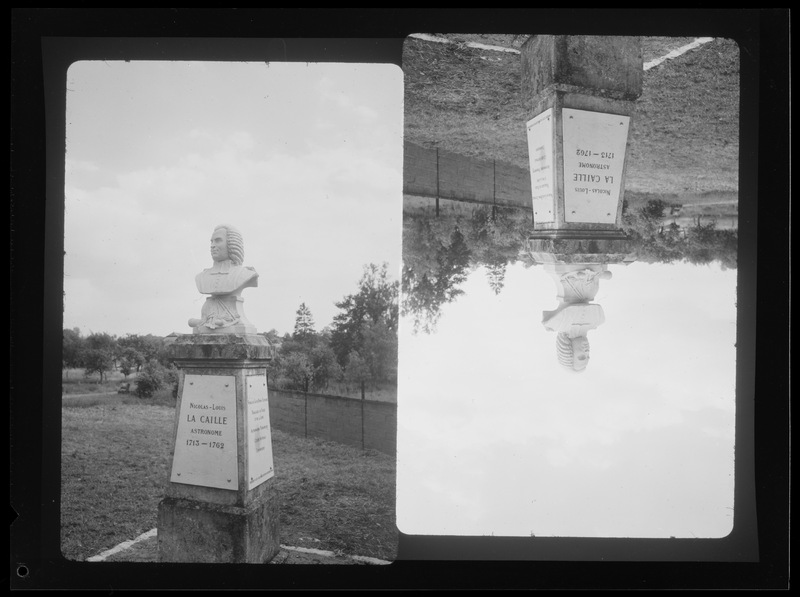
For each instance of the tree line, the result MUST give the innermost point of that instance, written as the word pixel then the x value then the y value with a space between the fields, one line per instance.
pixel 656 241
pixel 439 252
pixel 359 347
pixel 100 353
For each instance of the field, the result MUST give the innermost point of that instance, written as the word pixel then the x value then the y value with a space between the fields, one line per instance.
pixel 685 133
pixel 382 392
pixel 115 461
pixel 89 391
pixel 74 382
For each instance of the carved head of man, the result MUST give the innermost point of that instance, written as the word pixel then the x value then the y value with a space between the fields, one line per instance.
pixel 226 243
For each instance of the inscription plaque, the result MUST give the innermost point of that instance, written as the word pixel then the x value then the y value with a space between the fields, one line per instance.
pixel 594 157
pixel 540 156
pixel 259 436
pixel 205 444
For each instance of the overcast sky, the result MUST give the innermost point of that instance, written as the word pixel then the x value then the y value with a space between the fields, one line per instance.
pixel 494 437
pixel 304 158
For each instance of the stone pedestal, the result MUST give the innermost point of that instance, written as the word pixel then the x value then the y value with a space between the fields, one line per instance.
pixel 220 503
pixel 579 94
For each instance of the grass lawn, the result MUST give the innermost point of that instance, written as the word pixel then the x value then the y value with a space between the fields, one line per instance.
pixel 684 137
pixel 115 462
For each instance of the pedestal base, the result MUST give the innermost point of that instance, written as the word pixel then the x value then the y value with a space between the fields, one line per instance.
pixel 201 532
pixel 221 503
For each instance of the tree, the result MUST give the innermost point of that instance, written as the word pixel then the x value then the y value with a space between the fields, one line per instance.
pixel 324 365
pixel 97 360
pixel 495 240
pixel 425 293
pixel 727 248
pixel 304 361
pixel 130 360
pixel 303 323
pixel 653 211
pixel 379 351
pixel 646 220
pixel 298 371
pixel 357 370
pixel 496 274
pixel 125 366
pixel 102 341
pixel 374 302
pixel 148 347
pixel 700 242
pixel 100 354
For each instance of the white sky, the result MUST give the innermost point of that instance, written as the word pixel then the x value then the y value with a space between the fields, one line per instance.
pixel 304 158
pixel 494 437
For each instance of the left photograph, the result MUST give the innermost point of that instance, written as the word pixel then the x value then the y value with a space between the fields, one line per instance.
pixel 232 236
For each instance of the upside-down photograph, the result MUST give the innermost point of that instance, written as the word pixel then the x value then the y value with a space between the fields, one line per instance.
pixel 562 192
pixel 434 308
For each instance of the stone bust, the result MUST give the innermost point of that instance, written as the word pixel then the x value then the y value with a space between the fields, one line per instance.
pixel 572 322
pixel 224 281
pixel 575 316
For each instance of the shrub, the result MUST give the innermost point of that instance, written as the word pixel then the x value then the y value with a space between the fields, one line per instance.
pixel 653 210
pixel 172 377
pixel 155 376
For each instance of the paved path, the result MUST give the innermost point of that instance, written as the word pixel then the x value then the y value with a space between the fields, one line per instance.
pixel 647 65
pixel 145 549
pixel 91 395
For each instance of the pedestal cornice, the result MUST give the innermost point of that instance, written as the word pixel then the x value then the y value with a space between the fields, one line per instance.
pixel 221 348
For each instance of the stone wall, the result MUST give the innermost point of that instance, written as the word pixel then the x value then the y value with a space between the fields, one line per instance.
pixel 437 173
pixel 350 421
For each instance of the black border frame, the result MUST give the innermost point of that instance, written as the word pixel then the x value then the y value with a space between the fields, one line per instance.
pixel 377 35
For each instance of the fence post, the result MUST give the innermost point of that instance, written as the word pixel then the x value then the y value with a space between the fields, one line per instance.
pixel 362 415
pixel 437 182
pixel 494 190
